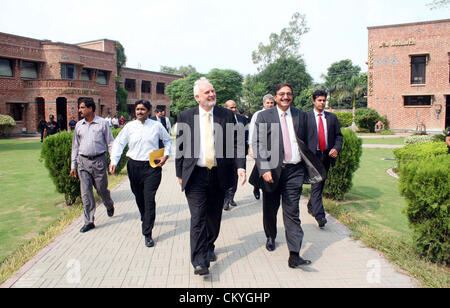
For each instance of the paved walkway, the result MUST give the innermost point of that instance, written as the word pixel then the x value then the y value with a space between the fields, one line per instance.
pixel 114 254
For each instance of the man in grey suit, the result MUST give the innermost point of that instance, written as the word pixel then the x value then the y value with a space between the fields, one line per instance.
pixel 283 162
pixel 91 139
pixel 325 140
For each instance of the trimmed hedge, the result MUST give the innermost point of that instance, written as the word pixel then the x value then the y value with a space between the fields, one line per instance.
pixel 339 180
pixel 416 139
pixel 345 118
pixel 419 151
pixel 7 124
pixel 56 154
pixel 425 184
pixel 366 119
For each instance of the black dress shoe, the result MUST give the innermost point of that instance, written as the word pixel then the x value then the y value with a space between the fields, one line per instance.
pixel 226 206
pixel 296 261
pixel 232 203
pixel 201 270
pixel 110 212
pixel 212 256
pixel 270 245
pixel 149 242
pixel 257 194
pixel 322 222
pixel 87 228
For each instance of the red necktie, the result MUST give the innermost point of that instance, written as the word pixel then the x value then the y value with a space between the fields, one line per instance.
pixel 322 141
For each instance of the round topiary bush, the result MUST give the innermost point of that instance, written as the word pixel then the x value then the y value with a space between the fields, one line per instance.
pixel 7 124
pixel 366 119
pixel 56 153
pixel 339 180
pixel 425 183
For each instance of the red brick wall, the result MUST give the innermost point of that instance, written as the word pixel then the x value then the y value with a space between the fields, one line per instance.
pixel 390 72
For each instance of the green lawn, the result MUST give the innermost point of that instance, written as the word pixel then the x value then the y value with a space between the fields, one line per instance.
pixel 375 199
pixel 389 141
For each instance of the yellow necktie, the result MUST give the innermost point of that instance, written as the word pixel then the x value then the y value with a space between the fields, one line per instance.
pixel 209 143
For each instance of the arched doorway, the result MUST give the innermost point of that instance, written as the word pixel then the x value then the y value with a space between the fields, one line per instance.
pixel 61 112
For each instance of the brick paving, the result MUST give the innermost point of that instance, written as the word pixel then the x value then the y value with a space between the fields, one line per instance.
pixel 114 254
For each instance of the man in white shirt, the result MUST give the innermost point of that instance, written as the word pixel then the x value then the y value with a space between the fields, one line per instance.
pixel 109 120
pixel 142 137
pixel 115 122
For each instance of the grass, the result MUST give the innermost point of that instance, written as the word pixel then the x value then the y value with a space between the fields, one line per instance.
pixel 389 141
pixel 373 212
pixel 32 213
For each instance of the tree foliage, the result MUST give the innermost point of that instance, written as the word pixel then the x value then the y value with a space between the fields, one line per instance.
pixel 437 4
pixel 253 93
pixel 283 45
pixel 7 124
pixel 121 93
pixel 182 70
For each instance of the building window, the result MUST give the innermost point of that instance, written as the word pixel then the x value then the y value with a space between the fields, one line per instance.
pixel 130 85
pixel 28 70
pixel 418 100
pixel 6 68
pixel 16 112
pixel 418 69
pixel 68 71
pixel 86 74
pixel 102 77
pixel 160 88
pixel 146 86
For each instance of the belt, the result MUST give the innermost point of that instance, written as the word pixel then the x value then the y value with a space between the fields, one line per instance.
pixel 290 165
pixel 92 157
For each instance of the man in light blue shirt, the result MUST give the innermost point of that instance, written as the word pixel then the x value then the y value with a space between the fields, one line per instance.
pixel 142 137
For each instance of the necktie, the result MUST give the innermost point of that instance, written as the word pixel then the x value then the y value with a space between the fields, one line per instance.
pixel 322 141
pixel 209 143
pixel 286 139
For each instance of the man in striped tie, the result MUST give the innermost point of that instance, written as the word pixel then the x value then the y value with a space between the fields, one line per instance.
pixel 325 140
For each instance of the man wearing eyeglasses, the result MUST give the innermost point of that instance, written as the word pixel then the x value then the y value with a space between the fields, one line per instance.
pixel 283 161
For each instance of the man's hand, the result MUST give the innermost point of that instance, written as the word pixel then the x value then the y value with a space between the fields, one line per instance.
pixel 268 177
pixel 162 161
pixel 112 169
pixel 180 180
pixel 334 153
pixel 242 176
pixel 73 173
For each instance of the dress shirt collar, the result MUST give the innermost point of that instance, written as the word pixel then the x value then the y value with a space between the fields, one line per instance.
pixel 203 112
pixel 96 120
pixel 280 112
pixel 316 113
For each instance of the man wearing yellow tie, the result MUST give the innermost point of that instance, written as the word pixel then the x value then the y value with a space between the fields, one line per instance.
pixel 208 153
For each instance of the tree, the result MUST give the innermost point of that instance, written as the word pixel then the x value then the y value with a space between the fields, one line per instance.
pixel 286 70
pixel 351 89
pixel 121 93
pixel 182 70
pixel 181 93
pixel 252 94
pixel 283 45
pixel 437 4
pixel 304 100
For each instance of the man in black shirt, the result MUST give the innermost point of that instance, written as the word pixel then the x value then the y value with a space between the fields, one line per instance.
pixel 52 127
pixel 42 127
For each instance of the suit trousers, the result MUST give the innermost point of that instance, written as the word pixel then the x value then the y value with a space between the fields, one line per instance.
pixel 230 192
pixel 93 173
pixel 144 182
pixel 205 198
pixel 315 203
pixel 289 190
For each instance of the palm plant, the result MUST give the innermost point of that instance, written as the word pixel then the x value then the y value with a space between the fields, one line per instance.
pixel 351 89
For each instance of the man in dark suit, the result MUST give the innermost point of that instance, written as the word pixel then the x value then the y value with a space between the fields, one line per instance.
pixel 284 161
pixel 242 122
pixel 159 117
pixel 207 157
pixel 325 140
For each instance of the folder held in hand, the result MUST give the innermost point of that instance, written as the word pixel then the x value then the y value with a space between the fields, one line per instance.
pixel 155 156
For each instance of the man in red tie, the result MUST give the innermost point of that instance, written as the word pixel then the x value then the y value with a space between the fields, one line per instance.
pixel 325 139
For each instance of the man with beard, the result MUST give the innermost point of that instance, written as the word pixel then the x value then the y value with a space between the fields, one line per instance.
pixel 203 171
pixel 142 137
pixel 91 139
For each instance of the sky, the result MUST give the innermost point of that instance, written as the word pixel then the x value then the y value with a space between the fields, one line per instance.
pixel 211 34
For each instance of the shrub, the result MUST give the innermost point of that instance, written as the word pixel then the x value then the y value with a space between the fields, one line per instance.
pixel 7 124
pixel 387 132
pixel 124 159
pixel 339 180
pixel 345 118
pixel 366 119
pixel 416 139
pixel 56 154
pixel 425 185
pixel 419 151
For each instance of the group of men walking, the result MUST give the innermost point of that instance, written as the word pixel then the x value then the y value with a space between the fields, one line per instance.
pixel 290 148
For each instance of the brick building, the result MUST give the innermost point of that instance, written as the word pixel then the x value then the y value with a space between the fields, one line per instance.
pixel 39 78
pixel 409 74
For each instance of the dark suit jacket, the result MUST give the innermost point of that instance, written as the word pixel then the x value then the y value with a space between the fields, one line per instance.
pixel 188 150
pixel 335 138
pixel 163 122
pixel 244 121
pixel 263 146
